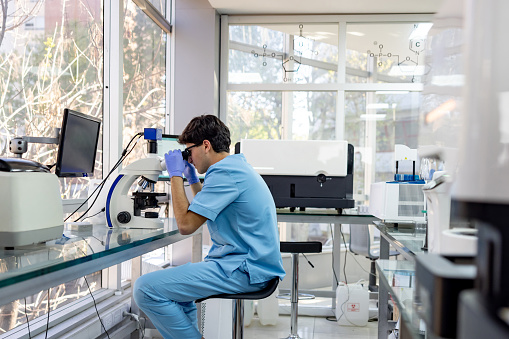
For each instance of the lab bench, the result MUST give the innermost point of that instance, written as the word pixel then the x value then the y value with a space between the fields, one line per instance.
pixel 326 216
pixel 29 269
pixel 397 278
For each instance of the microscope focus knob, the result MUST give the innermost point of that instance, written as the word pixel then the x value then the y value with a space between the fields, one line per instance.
pixel 124 217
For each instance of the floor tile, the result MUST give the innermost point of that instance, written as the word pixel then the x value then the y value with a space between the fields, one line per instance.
pixel 310 328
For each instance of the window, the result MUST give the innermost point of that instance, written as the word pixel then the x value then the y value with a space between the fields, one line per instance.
pixel 144 76
pixel 355 78
pixel 45 71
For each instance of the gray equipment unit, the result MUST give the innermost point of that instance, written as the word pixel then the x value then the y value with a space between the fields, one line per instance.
pixel 320 190
pixel 439 283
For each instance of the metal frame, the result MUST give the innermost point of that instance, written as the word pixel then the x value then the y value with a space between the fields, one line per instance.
pixel 337 221
pixel 154 14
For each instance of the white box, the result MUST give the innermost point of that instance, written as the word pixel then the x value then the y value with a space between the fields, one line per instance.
pixel 397 202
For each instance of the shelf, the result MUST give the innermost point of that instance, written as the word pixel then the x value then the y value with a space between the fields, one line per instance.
pixel 407 239
pixel 398 276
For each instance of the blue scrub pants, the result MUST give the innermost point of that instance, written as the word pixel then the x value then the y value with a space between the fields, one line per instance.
pixel 167 296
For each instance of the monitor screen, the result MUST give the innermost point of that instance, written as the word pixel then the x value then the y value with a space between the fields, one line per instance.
pixel 167 143
pixel 78 145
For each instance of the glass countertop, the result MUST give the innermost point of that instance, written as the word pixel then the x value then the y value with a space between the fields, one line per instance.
pixel 347 216
pixel 399 277
pixel 77 247
pixel 408 239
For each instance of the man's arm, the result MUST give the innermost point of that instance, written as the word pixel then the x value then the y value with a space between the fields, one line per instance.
pixel 187 221
pixel 195 188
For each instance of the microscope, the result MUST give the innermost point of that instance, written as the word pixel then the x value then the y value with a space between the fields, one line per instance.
pixel 135 209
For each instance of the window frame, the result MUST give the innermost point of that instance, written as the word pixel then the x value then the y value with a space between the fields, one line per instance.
pixel 341 87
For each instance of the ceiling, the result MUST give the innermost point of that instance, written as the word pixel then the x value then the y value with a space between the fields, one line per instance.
pixel 325 6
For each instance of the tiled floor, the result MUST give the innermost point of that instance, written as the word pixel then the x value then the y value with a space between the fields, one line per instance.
pixel 309 328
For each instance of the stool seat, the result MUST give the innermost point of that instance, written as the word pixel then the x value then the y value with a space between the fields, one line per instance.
pixel 300 247
pixel 262 294
pixel 238 304
pixel 296 248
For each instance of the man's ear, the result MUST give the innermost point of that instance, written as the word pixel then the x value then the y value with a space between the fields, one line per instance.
pixel 208 145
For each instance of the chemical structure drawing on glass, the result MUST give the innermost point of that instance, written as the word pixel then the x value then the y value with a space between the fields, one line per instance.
pixel 290 62
pixel 408 65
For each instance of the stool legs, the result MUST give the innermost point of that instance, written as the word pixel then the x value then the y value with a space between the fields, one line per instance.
pixel 294 297
pixel 238 319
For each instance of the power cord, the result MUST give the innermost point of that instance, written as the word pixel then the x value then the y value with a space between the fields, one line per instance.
pixel 90 291
pixel 125 154
pixel 93 215
pixel 47 321
pixel 334 270
pixel 138 320
pixel 96 310
pixel 28 322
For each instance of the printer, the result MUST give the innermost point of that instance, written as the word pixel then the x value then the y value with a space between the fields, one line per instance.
pixel 304 173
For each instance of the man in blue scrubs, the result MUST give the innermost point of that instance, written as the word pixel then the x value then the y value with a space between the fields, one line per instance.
pixel 241 216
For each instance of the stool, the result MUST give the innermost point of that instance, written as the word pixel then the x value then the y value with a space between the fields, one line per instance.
pixel 238 305
pixel 295 248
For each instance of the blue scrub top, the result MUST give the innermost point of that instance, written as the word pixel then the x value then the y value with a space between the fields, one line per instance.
pixel 241 219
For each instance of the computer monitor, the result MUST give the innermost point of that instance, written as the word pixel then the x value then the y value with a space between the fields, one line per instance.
pixel 78 145
pixel 167 143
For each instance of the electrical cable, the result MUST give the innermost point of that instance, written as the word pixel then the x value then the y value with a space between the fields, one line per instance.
pixel 360 266
pixel 344 273
pixel 93 215
pixel 28 322
pixel 96 310
pixel 124 155
pixel 47 321
pixel 90 291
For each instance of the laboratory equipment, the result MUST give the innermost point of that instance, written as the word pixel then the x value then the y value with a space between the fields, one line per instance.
pixel 439 283
pixel 401 200
pixel 445 235
pixel 77 148
pixel 137 208
pixel 482 186
pixel 31 202
pixel 304 173
pixel 30 207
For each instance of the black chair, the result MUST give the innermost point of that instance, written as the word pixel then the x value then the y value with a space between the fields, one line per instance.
pixel 238 305
pixel 361 244
pixel 295 248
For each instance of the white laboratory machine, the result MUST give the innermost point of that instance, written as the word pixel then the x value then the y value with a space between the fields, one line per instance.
pixel 30 206
pixel 304 173
pixel 482 186
pixel 138 207
pixel 401 200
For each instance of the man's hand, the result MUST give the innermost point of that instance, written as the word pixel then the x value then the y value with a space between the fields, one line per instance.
pixel 174 163
pixel 190 173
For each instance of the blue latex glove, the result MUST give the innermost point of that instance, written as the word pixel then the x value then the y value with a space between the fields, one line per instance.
pixel 174 163
pixel 190 173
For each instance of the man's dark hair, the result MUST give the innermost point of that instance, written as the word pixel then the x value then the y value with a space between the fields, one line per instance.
pixel 207 127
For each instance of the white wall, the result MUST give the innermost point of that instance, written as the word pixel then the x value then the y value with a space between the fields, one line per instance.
pixel 196 61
